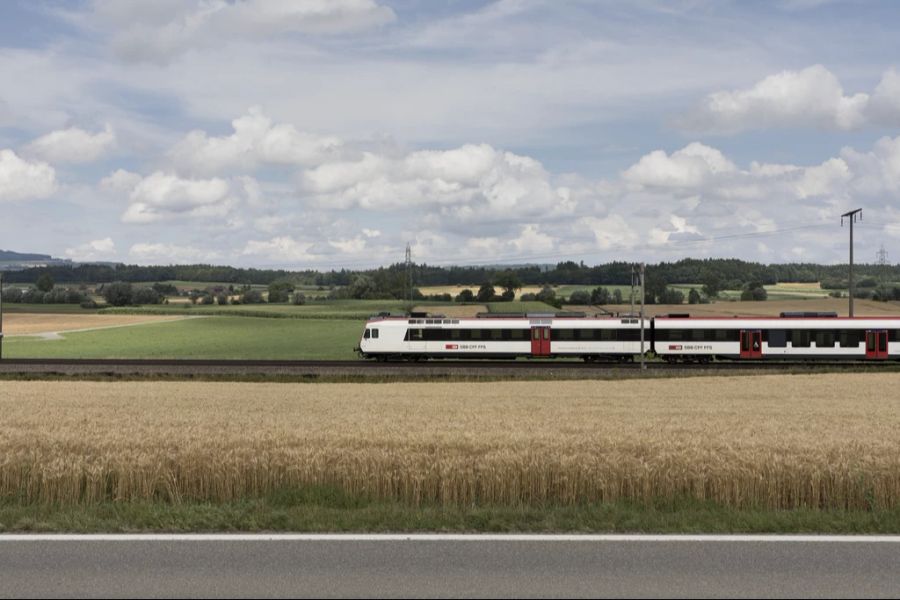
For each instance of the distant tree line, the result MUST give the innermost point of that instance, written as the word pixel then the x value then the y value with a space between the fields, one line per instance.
pixel 391 282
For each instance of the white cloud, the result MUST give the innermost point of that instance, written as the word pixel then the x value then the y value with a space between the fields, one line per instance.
pixel 255 141
pixel 877 171
pixel 158 31
pixel 612 232
pixel 884 106
pixel 120 181
pixel 281 249
pixel 73 145
pixel 691 166
pixel 465 183
pixel 24 180
pixel 162 196
pixel 809 97
pixel 94 250
pixel 171 254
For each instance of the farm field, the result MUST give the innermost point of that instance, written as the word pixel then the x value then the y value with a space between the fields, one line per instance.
pixel 770 308
pixel 453 310
pixel 19 323
pixel 776 443
pixel 332 309
pixel 209 337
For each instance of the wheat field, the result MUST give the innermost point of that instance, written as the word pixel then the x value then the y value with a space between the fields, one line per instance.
pixel 824 441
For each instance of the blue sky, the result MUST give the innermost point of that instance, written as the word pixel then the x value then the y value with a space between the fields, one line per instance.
pixel 329 133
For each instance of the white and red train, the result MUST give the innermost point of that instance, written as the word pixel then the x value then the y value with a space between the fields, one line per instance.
pixel 675 338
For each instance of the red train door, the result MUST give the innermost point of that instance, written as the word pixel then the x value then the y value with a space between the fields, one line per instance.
pixel 877 344
pixel 540 341
pixel 751 343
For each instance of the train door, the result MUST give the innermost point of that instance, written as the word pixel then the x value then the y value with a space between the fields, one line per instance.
pixel 751 343
pixel 877 344
pixel 540 341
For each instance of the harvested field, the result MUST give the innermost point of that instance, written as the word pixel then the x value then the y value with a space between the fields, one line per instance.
pixel 821 442
pixel 43 323
pixel 861 308
pixel 453 310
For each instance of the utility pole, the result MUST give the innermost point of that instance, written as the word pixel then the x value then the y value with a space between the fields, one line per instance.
pixel 643 365
pixel 631 314
pixel 409 274
pixel 851 217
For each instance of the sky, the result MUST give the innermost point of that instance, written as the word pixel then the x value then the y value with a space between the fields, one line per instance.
pixel 332 133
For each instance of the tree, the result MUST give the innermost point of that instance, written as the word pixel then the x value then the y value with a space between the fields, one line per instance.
pixel 754 291
pixel 600 295
pixel 252 296
pixel 280 291
pixel 510 283
pixel 617 296
pixel 486 293
pixel 694 296
pixel 44 282
pixel 466 295
pixel 362 288
pixel 712 285
pixel 670 296
pixel 546 295
pixel 146 295
pixel 508 295
pixel 298 299
pixel 580 297
pixel 118 293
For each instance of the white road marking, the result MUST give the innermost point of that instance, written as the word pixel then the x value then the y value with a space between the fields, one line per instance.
pixel 440 537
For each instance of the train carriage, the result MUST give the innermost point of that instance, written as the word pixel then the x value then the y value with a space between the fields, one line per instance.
pixel 678 339
pixel 504 336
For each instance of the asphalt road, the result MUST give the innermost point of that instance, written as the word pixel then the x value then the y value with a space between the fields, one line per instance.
pixel 483 567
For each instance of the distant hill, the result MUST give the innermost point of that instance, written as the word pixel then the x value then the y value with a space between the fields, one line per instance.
pixel 10 256
pixel 17 261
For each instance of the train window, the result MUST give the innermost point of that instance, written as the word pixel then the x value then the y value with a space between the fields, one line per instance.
pixel 518 334
pixel 882 343
pixel 454 334
pixel 800 338
pixel 894 335
pixel 563 334
pixel 870 343
pixel 496 334
pixel 608 335
pixel 777 338
pixel 412 335
pixel 824 339
pixel 366 335
pixel 375 334
pixel 465 334
pixel 546 333
pixel 535 334
pixel 631 335
pixel 848 338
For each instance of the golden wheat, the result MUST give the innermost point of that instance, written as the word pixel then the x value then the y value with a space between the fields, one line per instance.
pixel 825 441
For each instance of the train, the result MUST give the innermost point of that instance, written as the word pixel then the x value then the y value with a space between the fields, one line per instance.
pixel 675 338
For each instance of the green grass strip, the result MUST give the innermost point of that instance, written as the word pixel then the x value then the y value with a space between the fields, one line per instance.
pixel 327 510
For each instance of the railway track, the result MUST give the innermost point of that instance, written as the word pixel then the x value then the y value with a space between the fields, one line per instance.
pixel 361 368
